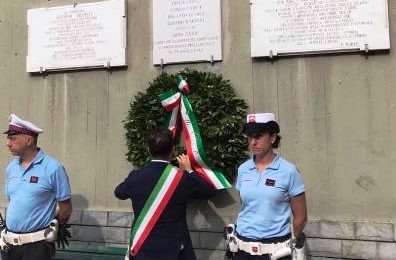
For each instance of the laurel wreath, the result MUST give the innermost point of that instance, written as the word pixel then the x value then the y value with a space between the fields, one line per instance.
pixel 219 111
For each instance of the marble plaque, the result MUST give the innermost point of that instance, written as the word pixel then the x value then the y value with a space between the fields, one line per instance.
pixel 286 27
pixel 186 31
pixel 77 36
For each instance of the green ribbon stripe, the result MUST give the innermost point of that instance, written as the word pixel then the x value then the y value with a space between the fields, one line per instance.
pixel 201 149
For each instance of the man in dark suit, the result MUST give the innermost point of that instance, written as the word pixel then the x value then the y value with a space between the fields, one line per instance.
pixel 169 239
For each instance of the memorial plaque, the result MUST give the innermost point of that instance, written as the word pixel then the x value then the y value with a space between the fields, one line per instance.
pixel 286 27
pixel 186 31
pixel 77 36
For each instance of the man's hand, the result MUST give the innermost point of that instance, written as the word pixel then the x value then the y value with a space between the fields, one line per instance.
pixel 63 215
pixel 184 163
pixel 63 236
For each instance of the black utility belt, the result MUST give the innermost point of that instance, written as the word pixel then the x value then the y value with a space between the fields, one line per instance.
pixel 270 240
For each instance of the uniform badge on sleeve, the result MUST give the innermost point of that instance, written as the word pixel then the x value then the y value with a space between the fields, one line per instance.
pixel 34 179
pixel 269 182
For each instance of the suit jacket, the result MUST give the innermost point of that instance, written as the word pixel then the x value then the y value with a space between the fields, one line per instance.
pixel 169 239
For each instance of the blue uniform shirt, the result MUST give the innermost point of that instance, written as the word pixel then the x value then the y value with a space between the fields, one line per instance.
pixel 265 197
pixel 34 192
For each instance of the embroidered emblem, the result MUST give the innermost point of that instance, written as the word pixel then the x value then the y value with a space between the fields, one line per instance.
pixel 270 182
pixel 34 179
pixel 252 119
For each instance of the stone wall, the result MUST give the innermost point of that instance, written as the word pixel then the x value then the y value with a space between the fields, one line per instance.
pixel 326 239
pixel 337 115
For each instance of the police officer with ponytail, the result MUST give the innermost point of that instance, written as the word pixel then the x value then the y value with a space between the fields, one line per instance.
pixel 271 191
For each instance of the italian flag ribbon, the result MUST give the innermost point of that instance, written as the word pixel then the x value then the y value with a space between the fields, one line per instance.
pixel 153 207
pixel 180 107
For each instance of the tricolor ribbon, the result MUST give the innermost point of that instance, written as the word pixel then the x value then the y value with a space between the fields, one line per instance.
pixel 179 106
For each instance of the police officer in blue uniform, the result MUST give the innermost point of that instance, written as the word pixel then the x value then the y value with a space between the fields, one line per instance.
pixel 169 238
pixel 271 190
pixel 35 184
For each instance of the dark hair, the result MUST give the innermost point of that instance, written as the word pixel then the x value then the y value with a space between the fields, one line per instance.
pixel 277 141
pixel 268 129
pixel 160 143
pixel 273 128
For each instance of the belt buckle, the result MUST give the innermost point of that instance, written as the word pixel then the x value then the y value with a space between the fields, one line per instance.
pixel 15 240
pixel 255 248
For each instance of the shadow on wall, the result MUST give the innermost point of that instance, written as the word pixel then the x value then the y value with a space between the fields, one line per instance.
pixel 206 225
pixel 86 225
pixel 79 202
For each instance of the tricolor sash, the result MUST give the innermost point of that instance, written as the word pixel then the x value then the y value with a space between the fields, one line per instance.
pixel 153 207
pixel 180 107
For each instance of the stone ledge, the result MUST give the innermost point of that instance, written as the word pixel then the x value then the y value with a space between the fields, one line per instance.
pixel 211 245
pixel 324 247
pixel 95 218
pixel 326 239
pixel 76 217
pixel 207 222
pixel 386 251
pixel 332 229
pixel 337 229
pixel 100 234
pixel 374 231
pixel 120 219
pixel 359 250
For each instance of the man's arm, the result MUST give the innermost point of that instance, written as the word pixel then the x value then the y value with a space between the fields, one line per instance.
pixel 123 190
pixel 299 208
pixel 200 189
pixel 65 210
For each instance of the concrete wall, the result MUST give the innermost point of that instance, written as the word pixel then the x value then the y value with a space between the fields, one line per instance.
pixel 337 115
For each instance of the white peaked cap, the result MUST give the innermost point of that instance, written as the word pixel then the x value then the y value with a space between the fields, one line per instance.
pixel 260 118
pixel 20 126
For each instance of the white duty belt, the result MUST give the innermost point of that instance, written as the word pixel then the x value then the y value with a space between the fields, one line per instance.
pixel 21 239
pixel 274 250
pixel 257 248
pixel 49 234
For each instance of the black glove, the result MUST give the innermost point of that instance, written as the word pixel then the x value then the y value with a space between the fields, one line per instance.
pixel 300 241
pixel 63 236
pixel 2 223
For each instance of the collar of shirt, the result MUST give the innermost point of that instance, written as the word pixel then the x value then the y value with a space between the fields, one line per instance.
pixel 273 165
pixel 164 161
pixel 39 157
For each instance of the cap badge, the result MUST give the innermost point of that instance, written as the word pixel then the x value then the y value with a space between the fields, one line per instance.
pixel 252 118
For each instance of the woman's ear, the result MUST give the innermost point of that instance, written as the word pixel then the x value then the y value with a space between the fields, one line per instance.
pixel 273 138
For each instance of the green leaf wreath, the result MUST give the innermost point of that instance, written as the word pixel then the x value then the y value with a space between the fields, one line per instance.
pixel 219 112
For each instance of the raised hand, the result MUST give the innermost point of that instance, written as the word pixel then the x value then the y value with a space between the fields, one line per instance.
pixel 184 163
